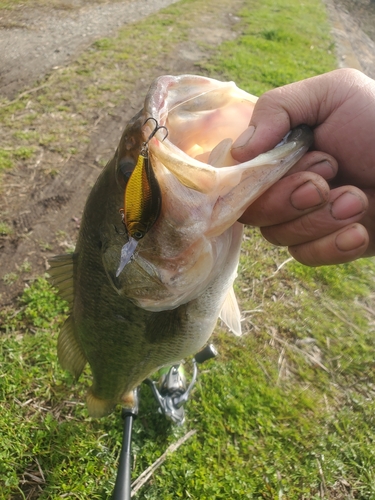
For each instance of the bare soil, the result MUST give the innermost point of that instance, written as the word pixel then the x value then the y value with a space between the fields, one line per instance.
pixel 34 40
pixel 44 212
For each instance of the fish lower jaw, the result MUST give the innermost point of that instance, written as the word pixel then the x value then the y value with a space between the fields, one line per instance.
pixel 172 290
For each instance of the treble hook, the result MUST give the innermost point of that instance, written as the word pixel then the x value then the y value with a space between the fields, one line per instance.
pixel 156 129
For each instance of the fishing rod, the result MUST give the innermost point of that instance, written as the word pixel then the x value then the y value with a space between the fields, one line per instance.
pixel 122 489
pixel 171 393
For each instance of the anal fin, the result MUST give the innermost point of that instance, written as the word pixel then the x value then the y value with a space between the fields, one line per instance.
pixel 97 407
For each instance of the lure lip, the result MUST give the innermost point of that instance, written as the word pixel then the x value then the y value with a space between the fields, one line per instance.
pixel 127 252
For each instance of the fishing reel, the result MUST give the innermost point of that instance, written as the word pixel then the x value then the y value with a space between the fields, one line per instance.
pixel 172 392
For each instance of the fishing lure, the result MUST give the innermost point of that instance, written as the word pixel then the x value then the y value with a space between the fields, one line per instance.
pixel 142 200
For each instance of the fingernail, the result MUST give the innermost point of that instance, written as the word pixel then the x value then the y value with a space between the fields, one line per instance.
pixel 347 205
pixel 306 196
pixel 324 169
pixel 244 138
pixel 350 239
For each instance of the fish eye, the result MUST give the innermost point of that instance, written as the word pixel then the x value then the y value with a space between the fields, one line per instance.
pixel 137 235
pixel 124 170
pixel 126 167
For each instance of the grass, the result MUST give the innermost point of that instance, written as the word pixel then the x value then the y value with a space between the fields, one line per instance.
pixel 271 51
pixel 286 411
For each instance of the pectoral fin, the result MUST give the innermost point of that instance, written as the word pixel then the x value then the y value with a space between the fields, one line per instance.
pixel 69 350
pixel 230 313
pixel 61 275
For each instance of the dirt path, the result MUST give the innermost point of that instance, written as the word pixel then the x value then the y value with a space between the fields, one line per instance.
pixel 44 212
pixel 35 40
pixel 353 28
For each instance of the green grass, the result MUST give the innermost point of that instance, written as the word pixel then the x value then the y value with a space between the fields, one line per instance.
pixel 286 411
pixel 5 229
pixel 5 159
pixel 272 51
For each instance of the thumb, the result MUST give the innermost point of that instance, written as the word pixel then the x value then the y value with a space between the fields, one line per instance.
pixel 268 125
pixel 276 112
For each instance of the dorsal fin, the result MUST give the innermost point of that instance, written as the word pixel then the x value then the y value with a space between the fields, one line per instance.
pixel 61 275
pixel 230 313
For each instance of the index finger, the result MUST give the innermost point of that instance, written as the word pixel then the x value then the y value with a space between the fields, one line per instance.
pixel 287 200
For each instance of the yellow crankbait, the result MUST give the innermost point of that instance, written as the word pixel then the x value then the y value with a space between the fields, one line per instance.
pixel 142 200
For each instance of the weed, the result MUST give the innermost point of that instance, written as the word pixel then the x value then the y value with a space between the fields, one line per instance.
pixel 5 229
pixel 45 246
pixel 27 135
pixel 25 267
pixel 23 153
pixel 10 278
pixel 42 305
pixel 5 159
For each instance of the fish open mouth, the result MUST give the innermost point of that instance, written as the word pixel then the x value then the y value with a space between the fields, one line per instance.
pixel 203 189
pixel 199 114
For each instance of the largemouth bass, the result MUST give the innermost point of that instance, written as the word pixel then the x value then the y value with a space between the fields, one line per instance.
pixel 147 294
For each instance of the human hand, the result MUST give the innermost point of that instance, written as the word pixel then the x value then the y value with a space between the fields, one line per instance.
pixel 319 222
